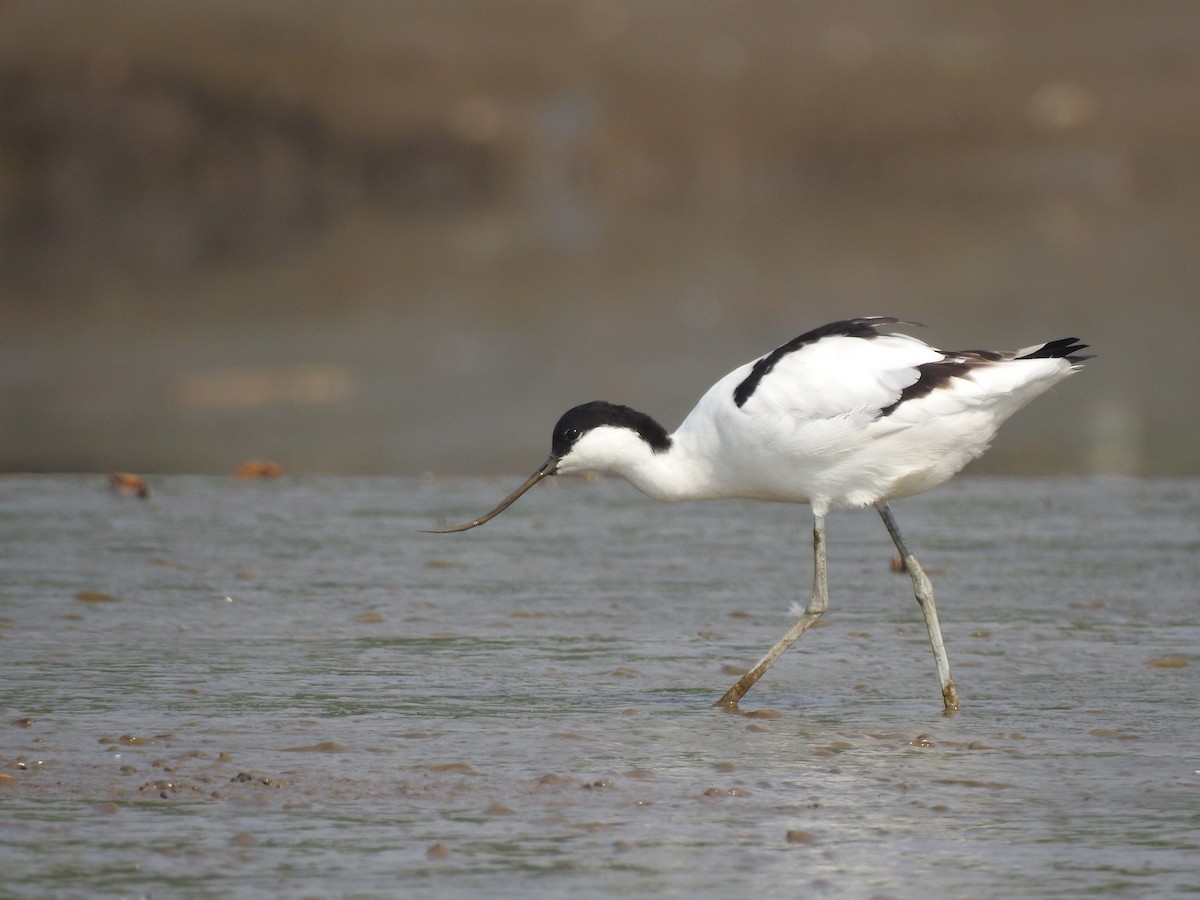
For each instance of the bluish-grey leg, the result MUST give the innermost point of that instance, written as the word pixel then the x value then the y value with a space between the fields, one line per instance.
pixel 816 607
pixel 923 590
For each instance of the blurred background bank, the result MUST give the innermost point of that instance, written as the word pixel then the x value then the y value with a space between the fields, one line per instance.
pixel 403 237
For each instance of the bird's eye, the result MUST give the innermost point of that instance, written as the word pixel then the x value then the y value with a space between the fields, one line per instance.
pixel 571 434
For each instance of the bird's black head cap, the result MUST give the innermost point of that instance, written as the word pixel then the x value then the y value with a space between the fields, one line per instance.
pixel 581 419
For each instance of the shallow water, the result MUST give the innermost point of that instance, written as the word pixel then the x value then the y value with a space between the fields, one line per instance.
pixel 281 688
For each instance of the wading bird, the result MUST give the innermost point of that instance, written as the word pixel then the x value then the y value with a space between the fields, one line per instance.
pixel 842 416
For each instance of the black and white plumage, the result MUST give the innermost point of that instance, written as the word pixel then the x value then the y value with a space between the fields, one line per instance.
pixel 841 416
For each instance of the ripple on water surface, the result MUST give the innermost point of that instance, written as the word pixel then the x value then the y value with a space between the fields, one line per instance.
pixel 261 686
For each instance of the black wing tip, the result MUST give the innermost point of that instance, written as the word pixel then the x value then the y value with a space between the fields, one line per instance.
pixel 1063 348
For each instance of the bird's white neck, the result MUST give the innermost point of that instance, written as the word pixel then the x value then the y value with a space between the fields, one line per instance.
pixel 676 473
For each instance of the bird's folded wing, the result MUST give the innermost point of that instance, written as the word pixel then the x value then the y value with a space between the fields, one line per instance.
pixel 842 376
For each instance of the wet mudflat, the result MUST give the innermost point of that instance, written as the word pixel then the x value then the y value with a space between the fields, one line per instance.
pixel 282 688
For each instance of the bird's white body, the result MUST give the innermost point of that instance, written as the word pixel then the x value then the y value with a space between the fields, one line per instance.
pixel 841 416
pixel 812 430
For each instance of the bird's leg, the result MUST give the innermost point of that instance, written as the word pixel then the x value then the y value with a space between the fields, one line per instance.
pixel 923 590
pixel 816 606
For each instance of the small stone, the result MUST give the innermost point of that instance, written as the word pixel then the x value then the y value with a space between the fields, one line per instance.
pixel 1167 662
pixel 94 597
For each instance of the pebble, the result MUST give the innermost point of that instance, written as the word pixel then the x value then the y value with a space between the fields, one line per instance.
pixel 1167 662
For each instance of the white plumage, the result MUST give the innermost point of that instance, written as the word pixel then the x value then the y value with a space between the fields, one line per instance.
pixel 842 416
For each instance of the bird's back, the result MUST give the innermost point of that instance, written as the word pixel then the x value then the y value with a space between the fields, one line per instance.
pixel 852 417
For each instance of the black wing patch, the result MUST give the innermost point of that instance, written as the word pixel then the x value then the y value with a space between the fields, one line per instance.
pixel 932 376
pixel 860 328
pixel 960 363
